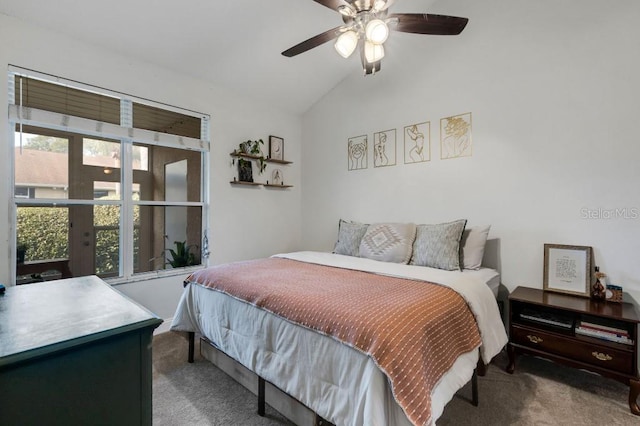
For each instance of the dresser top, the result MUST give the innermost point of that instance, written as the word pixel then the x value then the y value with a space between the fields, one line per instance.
pixel 41 318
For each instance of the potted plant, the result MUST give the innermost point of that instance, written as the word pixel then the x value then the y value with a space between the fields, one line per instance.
pixel 181 256
pixel 251 148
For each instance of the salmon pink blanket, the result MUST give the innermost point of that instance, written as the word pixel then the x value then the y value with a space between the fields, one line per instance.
pixel 413 330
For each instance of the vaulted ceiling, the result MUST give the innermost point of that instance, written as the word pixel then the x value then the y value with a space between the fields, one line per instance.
pixel 230 43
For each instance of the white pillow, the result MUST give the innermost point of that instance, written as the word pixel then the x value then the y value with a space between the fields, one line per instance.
pixel 473 242
pixel 388 242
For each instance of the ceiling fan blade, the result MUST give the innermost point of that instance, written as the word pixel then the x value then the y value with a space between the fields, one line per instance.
pixel 422 23
pixel 332 4
pixel 314 41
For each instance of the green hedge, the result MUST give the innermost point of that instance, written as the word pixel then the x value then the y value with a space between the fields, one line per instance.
pixel 45 231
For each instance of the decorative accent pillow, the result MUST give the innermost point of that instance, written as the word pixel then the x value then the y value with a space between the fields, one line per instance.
pixel 349 236
pixel 438 246
pixel 473 242
pixel 388 242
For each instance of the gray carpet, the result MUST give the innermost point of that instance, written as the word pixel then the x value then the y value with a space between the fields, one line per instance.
pixel 538 393
pixel 199 393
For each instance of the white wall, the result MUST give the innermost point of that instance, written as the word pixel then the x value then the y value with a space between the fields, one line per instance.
pixel 553 88
pixel 245 222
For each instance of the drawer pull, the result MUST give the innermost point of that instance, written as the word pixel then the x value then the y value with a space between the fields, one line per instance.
pixel 601 356
pixel 534 339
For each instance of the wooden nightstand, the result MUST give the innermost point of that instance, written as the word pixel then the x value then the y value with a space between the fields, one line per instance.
pixel 544 324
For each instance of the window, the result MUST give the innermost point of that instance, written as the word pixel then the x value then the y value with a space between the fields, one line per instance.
pixel 104 183
pixel 24 192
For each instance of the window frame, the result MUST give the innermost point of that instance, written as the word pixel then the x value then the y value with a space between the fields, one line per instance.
pixel 126 203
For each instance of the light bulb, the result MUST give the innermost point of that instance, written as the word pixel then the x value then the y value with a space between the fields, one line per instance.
pixel 346 43
pixel 379 4
pixel 373 52
pixel 377 31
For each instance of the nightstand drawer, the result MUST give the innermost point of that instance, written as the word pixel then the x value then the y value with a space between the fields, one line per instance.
pixel 601 356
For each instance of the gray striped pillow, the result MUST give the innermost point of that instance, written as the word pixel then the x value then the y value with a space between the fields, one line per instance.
pixel 349 236
pixel 438 246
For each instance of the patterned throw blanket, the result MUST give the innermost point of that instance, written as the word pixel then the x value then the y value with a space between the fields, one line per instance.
pixel 413 330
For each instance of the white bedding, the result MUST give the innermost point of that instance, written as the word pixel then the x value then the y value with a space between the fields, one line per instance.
pixel 489 276
pixel 339 383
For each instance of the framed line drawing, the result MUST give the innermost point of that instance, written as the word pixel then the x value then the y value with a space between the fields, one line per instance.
pixel 568 269
pixel 276 148
pixel 384 148
pixel 276 177
pixel 357 153
pixel 455 136
pixel 417 143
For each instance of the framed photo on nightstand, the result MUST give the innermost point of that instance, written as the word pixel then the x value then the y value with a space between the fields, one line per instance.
pixel 568 269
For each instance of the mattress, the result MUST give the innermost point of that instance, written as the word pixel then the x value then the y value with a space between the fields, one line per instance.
pixel 339 383
pixel 489 276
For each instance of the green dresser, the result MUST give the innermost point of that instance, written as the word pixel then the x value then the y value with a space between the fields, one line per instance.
pixel 74 352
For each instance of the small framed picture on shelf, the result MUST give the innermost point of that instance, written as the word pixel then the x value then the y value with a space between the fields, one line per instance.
pixel 276 148
pixel 568 269
pixel 276 177
pixel 245 170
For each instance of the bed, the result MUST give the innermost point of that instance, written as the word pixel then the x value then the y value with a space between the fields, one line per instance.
pixel 343 381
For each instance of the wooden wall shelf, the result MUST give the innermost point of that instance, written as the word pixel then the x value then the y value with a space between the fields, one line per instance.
pixel 239 154
pixel 241 182
pixel 257 157
pixel 273 160
pixel 268 185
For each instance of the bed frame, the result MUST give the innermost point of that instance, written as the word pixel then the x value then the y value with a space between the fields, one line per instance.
pixel 480 370
pixel 491 259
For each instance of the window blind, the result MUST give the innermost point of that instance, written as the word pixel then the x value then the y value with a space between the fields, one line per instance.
pixel 163 121
pixel 66 100
pixel 58 104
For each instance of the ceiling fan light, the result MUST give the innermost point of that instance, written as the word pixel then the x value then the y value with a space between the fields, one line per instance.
pixel 379 5
pixel 377 31
pixel 373 52
pixel 346 43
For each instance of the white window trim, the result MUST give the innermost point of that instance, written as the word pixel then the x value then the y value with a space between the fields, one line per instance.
pixel 127 135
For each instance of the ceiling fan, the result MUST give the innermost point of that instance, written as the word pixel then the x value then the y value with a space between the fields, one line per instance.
pixel 367 24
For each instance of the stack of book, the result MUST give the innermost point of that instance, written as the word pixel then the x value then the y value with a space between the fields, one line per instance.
pixel 604 332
